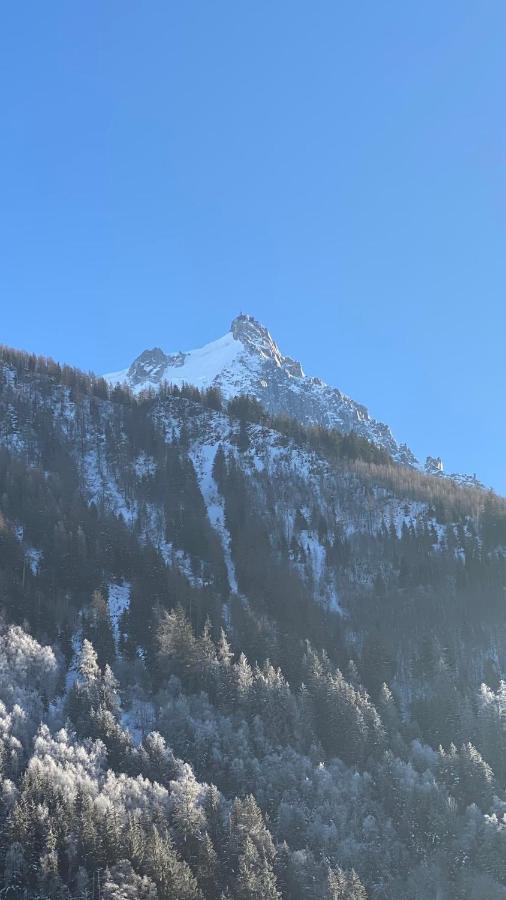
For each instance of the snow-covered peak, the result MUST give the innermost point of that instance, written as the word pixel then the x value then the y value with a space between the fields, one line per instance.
pixel 247 360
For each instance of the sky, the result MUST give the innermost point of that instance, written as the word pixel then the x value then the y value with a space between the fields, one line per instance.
pixel 335 169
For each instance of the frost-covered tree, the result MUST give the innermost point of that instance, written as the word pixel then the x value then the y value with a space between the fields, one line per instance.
pixel 121 882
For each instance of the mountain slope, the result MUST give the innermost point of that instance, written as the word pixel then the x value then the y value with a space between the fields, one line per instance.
pixel 230 648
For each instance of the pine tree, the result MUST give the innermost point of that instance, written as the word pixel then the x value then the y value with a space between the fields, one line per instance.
pixel 219 470
pixel 256 879
pixel 243 440
pixel 344 886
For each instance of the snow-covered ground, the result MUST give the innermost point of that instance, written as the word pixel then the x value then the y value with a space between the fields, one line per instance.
pixel 119 599
pixel 103 487
pixel 203 460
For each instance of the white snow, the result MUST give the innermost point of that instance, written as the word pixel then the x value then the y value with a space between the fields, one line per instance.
pixel 203 462
pixel 102 486
pixel 119 599
pixel 403 512
pixel 71 675
pixel 117 377
pixel 334 603
pixel 200 367
pixel 9 374
pixel 32 555
pixel 144 465
pixel 139 719
pixel 33 558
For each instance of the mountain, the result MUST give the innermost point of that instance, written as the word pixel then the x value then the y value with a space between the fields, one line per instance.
pixel 248 361
pixel 240 657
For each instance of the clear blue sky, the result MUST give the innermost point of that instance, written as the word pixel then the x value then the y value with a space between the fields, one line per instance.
pixel 337 169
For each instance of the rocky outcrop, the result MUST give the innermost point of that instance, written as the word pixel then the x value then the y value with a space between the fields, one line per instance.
pixel 256 339
pixel 149 366
pixel 434 465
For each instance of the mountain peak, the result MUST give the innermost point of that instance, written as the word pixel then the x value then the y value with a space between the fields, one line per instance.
pixel 247 360
pixel 255 337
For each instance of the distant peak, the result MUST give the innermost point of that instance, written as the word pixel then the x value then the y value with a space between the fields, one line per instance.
pixel 256 338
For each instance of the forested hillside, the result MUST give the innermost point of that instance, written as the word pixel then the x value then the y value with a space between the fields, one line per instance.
pixel 240 658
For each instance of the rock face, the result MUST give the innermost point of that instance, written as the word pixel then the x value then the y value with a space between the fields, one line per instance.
pixel 434 465
pixel 256 339
pixel 148 366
